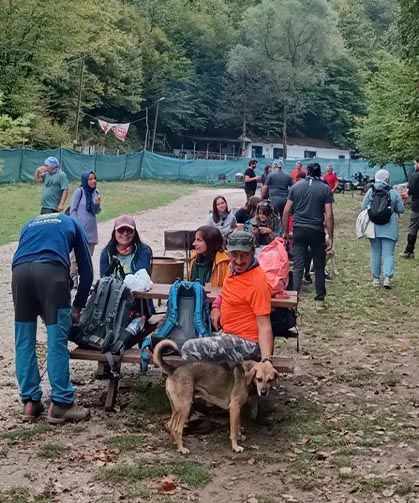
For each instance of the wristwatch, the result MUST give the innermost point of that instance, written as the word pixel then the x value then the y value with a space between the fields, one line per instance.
pixel 267 359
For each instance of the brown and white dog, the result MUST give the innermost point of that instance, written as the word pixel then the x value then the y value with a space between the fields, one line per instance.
pixel 221 385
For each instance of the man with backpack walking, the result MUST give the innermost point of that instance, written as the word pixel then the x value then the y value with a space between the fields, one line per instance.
pixel 41 287
pixel 384 204
pixel 311 200
pixel 412 231
pixel 242 310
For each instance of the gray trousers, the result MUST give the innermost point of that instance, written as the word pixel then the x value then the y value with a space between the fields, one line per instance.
pixel 412 231
pixel 225 348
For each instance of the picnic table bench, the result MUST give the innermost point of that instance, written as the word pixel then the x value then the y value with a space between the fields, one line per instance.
pixel 284 365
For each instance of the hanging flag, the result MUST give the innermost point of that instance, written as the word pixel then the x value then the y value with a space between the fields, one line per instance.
pixel 120 130
pixel 104 126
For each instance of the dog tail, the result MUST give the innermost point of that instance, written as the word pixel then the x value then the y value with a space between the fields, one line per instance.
pixel 158 357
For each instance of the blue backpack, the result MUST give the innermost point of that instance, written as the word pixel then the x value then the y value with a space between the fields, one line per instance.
pixel 187 317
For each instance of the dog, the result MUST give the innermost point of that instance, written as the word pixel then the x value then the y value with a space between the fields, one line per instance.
pixel 227 387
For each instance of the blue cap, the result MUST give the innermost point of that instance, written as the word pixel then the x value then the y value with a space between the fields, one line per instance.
pixel 52 162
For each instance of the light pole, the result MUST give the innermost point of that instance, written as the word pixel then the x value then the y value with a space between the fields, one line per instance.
pixel 155 122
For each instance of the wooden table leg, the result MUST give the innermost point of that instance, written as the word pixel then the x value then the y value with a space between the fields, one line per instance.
pixel 112 389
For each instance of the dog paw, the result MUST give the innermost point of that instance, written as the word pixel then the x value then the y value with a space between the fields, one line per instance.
pixel 238 448
pixel 183 450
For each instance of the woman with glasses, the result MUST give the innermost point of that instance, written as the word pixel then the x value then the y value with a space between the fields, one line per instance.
pixel 126 249
pixel 265 225
pixel 221 217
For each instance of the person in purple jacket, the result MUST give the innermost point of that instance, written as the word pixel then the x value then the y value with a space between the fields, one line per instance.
pixel 85 205
pixel 41 287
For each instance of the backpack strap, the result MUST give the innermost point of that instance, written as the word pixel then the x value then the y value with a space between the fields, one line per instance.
pixel 100 302
pixel 201 308
pixel 113 318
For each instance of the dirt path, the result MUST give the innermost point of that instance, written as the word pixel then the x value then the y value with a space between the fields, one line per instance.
pixel 345 428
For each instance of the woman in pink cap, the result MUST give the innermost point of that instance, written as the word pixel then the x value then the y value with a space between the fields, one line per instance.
pixel 126 248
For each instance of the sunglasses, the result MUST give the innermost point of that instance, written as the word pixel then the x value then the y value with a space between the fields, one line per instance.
pixel 125 230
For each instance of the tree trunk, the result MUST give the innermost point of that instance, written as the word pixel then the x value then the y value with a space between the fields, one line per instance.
pixel 284 133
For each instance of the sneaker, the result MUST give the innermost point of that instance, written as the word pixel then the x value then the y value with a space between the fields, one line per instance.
pixel 61 413
pixel 320 305
pixel 328 277
pixel 376 282
pixel 307 280
pixel 387 283
pixel 407 255
pixel 32 410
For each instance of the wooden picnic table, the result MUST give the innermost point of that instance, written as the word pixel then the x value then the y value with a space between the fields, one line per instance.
pixel 160 291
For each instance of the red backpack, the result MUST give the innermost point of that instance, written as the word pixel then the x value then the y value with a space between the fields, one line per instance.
pixel 273 259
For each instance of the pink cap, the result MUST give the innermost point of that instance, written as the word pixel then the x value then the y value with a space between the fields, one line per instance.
pixel 124 221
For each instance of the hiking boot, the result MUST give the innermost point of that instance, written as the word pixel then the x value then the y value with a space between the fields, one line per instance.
pixel 376 282
pixel 61 413
pixel 320 305
pixel 387 283
pixel 32 410
pixel 407 255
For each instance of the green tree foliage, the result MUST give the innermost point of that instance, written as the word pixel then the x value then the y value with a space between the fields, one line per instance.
pixel 390 131
pixel 13 132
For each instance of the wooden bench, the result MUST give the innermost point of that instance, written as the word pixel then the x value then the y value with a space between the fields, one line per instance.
pixel 284 365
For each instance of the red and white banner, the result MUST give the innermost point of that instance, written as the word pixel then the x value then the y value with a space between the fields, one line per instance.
pixel 119 130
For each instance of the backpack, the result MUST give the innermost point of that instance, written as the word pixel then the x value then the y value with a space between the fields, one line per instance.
pixel 379 208
pixel 104 319
pixel 187 317
pixel 273 259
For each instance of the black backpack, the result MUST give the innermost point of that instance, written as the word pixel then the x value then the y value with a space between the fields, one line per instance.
pixel 104 320
pixel 379 209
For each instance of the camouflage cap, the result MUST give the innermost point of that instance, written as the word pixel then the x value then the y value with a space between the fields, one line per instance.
pixel 240 241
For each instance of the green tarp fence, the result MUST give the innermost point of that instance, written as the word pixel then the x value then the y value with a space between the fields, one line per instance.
pixel 18 165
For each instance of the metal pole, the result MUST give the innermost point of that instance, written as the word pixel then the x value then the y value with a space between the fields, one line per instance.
pixel 147 130
pixel 155 123
pixel 76 130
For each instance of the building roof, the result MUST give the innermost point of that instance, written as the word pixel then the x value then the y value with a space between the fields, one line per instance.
pixel 294 140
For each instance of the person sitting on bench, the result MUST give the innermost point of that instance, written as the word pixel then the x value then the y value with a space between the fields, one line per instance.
pixel 209 263
pixel 244 314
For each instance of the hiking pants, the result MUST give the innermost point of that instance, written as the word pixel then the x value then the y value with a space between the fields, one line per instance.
pixel 382 252
pixel 220 348
pixel 412 231
pixel 303 239
pixel 42 289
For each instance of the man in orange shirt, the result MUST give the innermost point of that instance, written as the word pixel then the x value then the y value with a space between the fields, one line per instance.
pixel 243 313
pixel 295 172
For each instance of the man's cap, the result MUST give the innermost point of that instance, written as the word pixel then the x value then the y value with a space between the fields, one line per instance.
pixel 240 241
pixel 124 221
pixel 52 162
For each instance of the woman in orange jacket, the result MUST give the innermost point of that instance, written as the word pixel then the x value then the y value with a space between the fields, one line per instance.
pixel 209 263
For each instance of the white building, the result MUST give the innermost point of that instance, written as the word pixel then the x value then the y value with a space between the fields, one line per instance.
pixel 297 148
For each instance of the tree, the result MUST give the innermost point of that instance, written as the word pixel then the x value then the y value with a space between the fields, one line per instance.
pixel 293 40
pixel 390 132
pixel 13 132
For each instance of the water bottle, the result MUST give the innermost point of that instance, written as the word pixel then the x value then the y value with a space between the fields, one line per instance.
pixel 136 325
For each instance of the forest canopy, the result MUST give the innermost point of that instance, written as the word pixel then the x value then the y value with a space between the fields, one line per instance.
pixel 341 70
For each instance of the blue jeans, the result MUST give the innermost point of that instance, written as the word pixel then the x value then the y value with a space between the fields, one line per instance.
pixel 382 257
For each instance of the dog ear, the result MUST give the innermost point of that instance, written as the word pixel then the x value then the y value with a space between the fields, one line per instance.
pixel 250 375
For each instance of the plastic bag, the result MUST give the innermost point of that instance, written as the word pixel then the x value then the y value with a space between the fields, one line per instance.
pixel 273 259
pixel 139 282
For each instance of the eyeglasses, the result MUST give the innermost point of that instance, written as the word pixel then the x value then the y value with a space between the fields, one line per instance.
pixel 125 230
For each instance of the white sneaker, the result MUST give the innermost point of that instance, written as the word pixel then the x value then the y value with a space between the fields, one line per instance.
pixel 376 282
pixel 387 283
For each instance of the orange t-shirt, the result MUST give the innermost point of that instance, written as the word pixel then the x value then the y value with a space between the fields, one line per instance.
pixel 245 296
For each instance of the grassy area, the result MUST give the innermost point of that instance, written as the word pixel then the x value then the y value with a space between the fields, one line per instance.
pixel 19 435
pixel 21 201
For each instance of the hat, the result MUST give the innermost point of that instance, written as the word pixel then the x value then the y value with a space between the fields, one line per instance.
pixel 382 175
pixel 240 241
pixel 52 162
pixel 124 221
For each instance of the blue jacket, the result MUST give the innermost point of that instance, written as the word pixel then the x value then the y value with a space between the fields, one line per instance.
pixel 143 257
pixel 50 238
pixel 389 230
